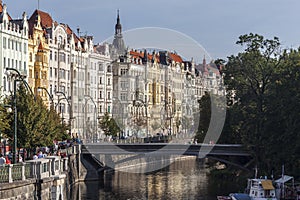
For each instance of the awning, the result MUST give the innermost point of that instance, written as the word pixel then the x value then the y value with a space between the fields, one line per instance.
pixel 267 185
pixel 284 179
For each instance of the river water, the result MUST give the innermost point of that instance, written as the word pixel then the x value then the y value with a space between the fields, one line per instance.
pixel 185 179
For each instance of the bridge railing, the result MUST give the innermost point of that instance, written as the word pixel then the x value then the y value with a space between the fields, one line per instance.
pixel 151 139
pixel 36 169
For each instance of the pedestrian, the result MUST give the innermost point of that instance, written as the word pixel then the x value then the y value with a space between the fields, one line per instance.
pixel 35 157
pixel 8 162
pixel 20 158
pixel 2 160
pixel 40 154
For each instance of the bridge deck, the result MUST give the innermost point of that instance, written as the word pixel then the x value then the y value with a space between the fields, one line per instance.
pixel 169 148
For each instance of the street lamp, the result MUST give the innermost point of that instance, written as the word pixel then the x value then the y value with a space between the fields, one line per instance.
pixel 95 115
pixel 50 95
pixel 67 99
pixel 15 109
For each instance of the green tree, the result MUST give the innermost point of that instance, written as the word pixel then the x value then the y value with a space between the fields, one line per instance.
pixel 109 125
pixel 205 114
pixel 248 78
pixel 37 126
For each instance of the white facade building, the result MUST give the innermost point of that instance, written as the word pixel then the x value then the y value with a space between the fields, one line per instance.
pixel 14 48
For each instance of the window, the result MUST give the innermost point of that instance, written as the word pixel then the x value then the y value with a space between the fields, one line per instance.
pixel 108 109
pixel 108 68
pixel 100 80
pixel 62 57
pixel 4 62
pixel 12 44
pixel 8 62
pixel 50 55
pixel 100 108
pixel 55 56
pixel 108 95
pixel 123 96
pixel 8 44
pixel 123 71
pixel 101 67
pixel 51 72
pixel 30 57
pixel 108 81
pixel 4 42
pixel 25 48
pixel 50 89
pixel 100 94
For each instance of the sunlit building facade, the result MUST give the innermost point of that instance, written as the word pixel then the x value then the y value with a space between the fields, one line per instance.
pixel 14 49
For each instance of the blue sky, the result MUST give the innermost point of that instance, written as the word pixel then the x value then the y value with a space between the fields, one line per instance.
pixel 215 24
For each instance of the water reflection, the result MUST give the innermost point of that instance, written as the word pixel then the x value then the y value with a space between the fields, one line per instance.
pixel 184 179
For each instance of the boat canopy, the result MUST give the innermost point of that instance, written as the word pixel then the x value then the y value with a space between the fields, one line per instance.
pixel 284 179
pixel 267 185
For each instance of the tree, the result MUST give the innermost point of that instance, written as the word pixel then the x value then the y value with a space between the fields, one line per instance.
pixel 248 78
pixel 109 125
pixel 37 126
pixel 205 114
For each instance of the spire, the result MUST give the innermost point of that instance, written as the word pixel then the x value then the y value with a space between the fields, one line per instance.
pixel 118 42
pixel 118 27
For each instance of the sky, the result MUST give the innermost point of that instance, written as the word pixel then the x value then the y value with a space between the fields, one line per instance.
pixel 214 25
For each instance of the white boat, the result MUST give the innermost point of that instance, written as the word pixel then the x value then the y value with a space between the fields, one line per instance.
pixel 257 189
pixel 261 189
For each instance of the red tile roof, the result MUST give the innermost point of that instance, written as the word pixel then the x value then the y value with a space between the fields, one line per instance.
pixel 46 19
pixel 175 57
pixel 140 55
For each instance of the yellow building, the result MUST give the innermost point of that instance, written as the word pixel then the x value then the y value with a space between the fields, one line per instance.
pixel 38 62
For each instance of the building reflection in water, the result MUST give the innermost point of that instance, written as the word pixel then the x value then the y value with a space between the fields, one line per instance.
pixel 185 179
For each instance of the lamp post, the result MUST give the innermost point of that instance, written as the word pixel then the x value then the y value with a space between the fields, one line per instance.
pixel 67 99
pixel 15 109
pixel 50 95
pixel 95 115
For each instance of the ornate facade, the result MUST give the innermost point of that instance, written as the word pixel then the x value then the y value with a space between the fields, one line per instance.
pixel 14 48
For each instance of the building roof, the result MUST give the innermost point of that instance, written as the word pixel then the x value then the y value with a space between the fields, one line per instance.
pixel 1 13
pixel 175 57
pixel 46 20
pixel 140 55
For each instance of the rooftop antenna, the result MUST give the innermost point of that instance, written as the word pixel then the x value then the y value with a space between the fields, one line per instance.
pixel 38 7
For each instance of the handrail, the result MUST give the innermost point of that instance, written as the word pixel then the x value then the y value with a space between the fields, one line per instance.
pixel 36 169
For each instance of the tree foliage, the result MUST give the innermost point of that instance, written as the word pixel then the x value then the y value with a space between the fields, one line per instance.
pixel 109 125
pixel 36 125
pixel 263 84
